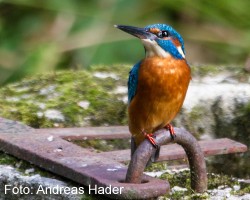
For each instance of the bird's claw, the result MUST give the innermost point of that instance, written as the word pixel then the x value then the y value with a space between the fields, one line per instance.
pixel 171 130
pixel 150 137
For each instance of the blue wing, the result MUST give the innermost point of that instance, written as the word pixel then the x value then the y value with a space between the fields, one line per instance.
pixel 133 81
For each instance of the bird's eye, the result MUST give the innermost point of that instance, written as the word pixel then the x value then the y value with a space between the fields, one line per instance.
pixel 162 34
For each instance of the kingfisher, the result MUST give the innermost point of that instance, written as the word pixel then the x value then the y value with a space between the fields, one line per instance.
pixel 157 84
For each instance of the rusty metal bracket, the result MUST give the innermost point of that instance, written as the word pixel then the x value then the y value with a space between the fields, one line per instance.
pixel 187 141
pixel 49 149
pixel 53 153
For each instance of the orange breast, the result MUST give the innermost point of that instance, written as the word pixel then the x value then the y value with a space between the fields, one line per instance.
pixel 162 86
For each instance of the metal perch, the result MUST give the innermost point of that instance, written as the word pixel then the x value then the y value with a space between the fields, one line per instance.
pixel 190 145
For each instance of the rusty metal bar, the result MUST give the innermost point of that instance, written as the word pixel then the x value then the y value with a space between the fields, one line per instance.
pixel 176 152
pixel 191 147
pixel 81 165
pixel 48 149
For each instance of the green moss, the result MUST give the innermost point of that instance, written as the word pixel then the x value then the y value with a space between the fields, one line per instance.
pixel 198 196
pixel 6 159
pixel 119 69
pixel 158 166
pixel 21 166
pixel 196 120
pixel 204 70
pixel 245 189
pixel 182 179
pixel 63 91
pixel 216 180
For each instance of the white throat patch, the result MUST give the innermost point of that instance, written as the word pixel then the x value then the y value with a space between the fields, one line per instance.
pixel 153 49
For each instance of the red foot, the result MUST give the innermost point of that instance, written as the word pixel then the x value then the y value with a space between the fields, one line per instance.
pixel 150 137
pixel 171 130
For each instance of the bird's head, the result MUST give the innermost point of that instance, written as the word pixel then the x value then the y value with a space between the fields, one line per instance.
pixel 158 39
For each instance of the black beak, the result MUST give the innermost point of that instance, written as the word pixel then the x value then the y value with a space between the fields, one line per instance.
pixel 137 32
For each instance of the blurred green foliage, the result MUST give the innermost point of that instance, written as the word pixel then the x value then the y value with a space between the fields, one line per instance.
pixel 45 35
